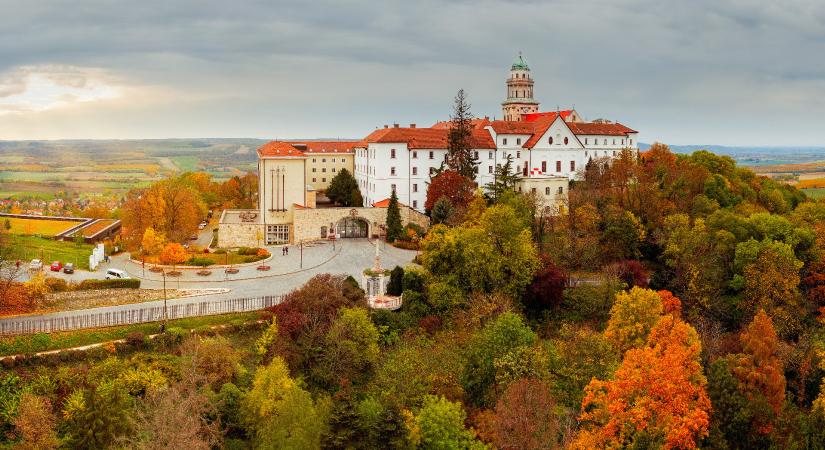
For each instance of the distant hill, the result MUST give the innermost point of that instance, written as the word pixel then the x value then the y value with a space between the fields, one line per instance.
pixel 755 156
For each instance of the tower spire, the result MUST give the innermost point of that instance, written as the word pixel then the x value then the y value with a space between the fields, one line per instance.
pixel 519 91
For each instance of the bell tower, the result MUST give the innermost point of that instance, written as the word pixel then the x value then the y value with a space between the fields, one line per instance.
pixel 519 92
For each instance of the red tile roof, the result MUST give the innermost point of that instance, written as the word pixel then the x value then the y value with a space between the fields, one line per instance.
pixel 532 117
pixel 425 138
pixel 385 203
pixel 325 146
pixel 512 127
pixel 279 149
pixel 475 123
pixel 541 123
pixel 599 128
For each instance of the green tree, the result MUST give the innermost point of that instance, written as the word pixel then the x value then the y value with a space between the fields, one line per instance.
pixel 442 211
pixel 439 425
pixel 102 419
pixel 341 188
pixel 731 415
pixel 505 178
pixel 351 349
pixel 394 228
pixel 396 284
pixel 506 333
pixel 357 199
pixel 460 156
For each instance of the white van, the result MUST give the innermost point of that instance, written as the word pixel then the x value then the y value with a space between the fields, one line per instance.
pixel 116 274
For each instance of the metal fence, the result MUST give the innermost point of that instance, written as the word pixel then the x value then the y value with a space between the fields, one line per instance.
pixel 134 314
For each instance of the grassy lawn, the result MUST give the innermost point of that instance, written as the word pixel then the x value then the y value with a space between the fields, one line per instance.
pixel 815 193
pixel 43 227
pixel 44 342
pixel 27 248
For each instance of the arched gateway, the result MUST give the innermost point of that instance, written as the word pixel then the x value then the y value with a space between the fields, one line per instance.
pixel 352 227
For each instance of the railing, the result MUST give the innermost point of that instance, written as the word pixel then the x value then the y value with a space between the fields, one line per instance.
pixel 133 315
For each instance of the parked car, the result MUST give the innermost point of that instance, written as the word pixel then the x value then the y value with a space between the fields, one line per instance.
pixel 202 225
pixel 68 268
pixel 116 274
pixel 36 264
pixel 56 266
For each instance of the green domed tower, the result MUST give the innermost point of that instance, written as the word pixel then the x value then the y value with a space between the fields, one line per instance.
pixel 519 91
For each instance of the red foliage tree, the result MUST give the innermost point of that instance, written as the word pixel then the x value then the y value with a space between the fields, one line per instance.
pixel 632 272
pixel 449 183
pixel 547 287
pixel 525 417
pixel 670 303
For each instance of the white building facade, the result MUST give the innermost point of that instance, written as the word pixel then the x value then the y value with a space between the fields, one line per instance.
pixel 549 146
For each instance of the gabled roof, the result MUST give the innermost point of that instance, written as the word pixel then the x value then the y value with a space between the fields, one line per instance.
pixel 385 203
pixel 532 117
pixel 542 124
pixel 425 138
pixel 600 128
pixel 279 149
pixel 512 127
pixel 475 123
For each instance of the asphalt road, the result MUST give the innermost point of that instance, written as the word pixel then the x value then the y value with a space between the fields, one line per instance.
pixel 349 257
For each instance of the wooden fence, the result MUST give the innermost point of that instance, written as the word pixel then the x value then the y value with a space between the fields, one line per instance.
pixel 134 314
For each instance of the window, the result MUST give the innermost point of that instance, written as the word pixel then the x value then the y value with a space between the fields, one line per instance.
pixel 504 141
pixel 558 166
pixel 313 180
pixel 547 190
pixel 314 169
pixel 392 153
pixel 392 171
pixel 544 166
pixel 415 203
pixel 614 142
pixel 550 140
pixel 585 141
pixel 518 154
pixel 415 187
pixel 324 170
pixel 631 142
pixel 392 187
pixel 415 170
pixel 333 170
pixel 518 141
pixel 566 141
pixel 572 166
pixel 533 190
pixel 489 155
pixel 323 160
pixel 415 154
pixel 605 142
pixel 277 234
pixel 333 160
pixel 489 169
pixel 561 189
pixel 313 159
pixel 323 180
pixel 432 155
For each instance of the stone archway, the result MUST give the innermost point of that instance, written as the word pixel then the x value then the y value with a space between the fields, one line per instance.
pixel 352 227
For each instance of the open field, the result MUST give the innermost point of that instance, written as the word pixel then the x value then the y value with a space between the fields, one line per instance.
pixel 111 168
pixel 815 193
pixel 43 227
pixel 26 248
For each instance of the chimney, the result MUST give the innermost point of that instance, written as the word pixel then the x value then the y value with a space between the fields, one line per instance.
pixel 386 126
pixel 412 125
pixel 395 125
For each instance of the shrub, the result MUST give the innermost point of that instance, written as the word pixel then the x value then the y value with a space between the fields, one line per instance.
pixel 219 251
pixel 135 339
pixel 57 285
pixel 406 245
pixel 247 251
pixel 200 262
pixel 92 284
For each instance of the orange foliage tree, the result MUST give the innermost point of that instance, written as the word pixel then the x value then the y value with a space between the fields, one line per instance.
pixel 760 371
pixel 657 397
pixel 173 254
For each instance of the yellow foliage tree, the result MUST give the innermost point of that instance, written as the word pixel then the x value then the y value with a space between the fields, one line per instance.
pixel 632 316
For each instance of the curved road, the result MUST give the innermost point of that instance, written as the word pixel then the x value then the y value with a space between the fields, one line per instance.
pixel 350 257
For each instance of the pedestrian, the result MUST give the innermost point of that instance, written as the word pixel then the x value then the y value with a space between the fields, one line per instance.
pixel 287 250
pixel 283 251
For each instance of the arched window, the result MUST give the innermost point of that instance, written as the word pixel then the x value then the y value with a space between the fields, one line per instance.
pixel 550 140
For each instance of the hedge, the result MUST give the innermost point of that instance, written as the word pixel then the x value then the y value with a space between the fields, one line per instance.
pixel 91 284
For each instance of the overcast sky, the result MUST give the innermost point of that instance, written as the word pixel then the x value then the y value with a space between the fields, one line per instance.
pixel 734 72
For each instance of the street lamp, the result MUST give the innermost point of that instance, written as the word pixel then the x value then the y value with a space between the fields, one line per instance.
pixel 165 315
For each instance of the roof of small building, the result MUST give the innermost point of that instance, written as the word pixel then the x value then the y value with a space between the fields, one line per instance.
pixel 385 203
pixel 326 146
pixel 475 123
pixel 600 128
pixel 279 149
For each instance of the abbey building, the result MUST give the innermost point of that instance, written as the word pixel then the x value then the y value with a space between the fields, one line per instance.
pixel 547 149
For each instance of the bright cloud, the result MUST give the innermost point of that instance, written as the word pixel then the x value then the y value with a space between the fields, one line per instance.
pixel 41 88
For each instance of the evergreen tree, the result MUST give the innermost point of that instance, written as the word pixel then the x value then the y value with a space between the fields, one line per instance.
pixel 505 179
pixel 394 228
pixel 341 188
pixel 396 284
pixel 460 156
pixel 357 199
pixel 442 211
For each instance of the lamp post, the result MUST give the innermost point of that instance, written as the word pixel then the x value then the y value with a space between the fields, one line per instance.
pixel 302 253
pixel 165 315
